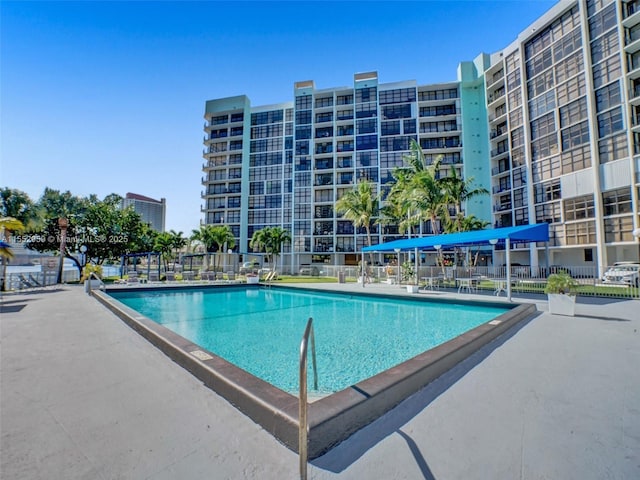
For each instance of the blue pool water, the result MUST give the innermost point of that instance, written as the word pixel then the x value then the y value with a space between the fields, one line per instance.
pixel 259 329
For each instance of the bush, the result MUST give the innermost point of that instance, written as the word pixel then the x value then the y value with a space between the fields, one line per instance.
pixel 90 268
pixel 560 282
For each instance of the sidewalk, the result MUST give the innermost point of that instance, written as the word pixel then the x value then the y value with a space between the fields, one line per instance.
pixel 83 396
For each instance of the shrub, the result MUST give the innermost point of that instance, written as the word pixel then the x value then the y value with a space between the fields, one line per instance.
pixel 90 268
pixel 560 282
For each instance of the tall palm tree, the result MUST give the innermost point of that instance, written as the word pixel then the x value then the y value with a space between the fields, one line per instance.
pixel 418 192
pixel 458 190
pixel 164 244
pixel 222 234
pixel 360 205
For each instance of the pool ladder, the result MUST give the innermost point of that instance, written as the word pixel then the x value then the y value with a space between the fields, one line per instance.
pixel 303 428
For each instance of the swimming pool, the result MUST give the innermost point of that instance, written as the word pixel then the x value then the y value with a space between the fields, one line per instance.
pixel 334 417
pixel 259 330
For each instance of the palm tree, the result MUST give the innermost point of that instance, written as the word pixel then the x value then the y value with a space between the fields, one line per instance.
pixel 164 244
pixel 270 240
pixel 277 238
pixel 418 192
pixel 7 225
pixel 360 205
pixel 221 235
pixel 458 190
pixel 205 235
pixel 177 242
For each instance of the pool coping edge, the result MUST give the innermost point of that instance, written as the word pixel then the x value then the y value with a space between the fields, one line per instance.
pixel 332 419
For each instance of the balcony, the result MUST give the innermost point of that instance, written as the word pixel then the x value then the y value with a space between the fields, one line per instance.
pixel 631 13
pixel 500 188
pixel 501 207
pixel 498 152
pixel 495 134
pixel 502 168
pixel 632 41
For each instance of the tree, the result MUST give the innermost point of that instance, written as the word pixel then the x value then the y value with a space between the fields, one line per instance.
pixel 417 194
pixel 361 206
pixel 7 225
pixel 103 227
pixel 458 190
pixel 17 204
pixel 222 234
pixel 206 236
pixel 270 240
pixel 177 242
pixel 163 244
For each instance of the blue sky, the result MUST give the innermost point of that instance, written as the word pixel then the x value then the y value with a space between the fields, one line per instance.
pixel 108 97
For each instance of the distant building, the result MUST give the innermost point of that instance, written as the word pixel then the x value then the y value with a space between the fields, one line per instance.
pixel 153 212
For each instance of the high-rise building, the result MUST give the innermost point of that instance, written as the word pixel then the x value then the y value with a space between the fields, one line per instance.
pixel 550 126
pixel 153 212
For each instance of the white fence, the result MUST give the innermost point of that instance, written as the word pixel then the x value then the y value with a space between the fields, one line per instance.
pixel 524 279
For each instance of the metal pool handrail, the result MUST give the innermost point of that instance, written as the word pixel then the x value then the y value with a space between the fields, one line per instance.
pixel 303 428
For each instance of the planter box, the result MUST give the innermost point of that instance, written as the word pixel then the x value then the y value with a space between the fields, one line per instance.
pixel 561 304
pixel 253 279
pixel 412 288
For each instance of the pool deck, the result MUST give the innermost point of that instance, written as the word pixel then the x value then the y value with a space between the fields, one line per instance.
pixel 82 395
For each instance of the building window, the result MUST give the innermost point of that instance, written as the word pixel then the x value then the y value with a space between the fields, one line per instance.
pixel 588 254
pixel 390 128
pixel 602 21
pixel 580 233
pixel 303 102
pixel 608 97
pixel 324 102
pixel 575 135
pixel 610 122
pixel 613 148
pixel 618 229
pixel 607 71
pixel 366 94
pixel 573 112
pixel 303 117
pixel 400 95
pixel 579 208
pixel 616 202
pixel 263 118
pixel 366 142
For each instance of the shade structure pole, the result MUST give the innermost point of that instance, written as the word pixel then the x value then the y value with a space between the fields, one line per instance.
pixel 507 248
pixel 417 264
pixel 363 268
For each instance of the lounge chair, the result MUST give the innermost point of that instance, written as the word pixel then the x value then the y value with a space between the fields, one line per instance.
pixel 154 277
pixel 231 276
pixel 271 276
pixel 170 276
pixel 219 276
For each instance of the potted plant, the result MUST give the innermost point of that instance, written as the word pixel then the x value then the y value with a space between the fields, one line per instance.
pixel 91 282
pixel 560 291
pixel 408 277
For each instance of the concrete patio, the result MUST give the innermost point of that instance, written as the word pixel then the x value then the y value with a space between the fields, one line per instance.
pixel 83 396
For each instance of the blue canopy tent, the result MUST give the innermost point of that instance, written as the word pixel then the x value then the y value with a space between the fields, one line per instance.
pixel 524 233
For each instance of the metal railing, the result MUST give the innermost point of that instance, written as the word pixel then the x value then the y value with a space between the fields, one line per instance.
pixel 525 279
pixel 303 429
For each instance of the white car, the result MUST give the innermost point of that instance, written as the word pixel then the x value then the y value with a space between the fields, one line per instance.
pixel 623 272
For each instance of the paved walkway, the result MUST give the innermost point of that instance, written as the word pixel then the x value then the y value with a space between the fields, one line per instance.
pixel 84 397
